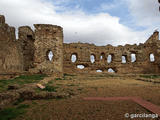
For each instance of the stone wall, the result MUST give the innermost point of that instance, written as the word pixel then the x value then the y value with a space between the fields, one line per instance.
pixel 101 53
pixel 26 38
pixel 48 39
pixel 30 53
pixel 11 59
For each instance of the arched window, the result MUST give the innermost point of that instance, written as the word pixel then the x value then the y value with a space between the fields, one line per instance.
pixel 49 55
pixel 102 56
pixel 109 59
pixel 80 66
pixel 124 59
pixel 74 58
pixel 133 57
pixel 99 71
pixel 152 59
pixel 92 58
pixel 110 70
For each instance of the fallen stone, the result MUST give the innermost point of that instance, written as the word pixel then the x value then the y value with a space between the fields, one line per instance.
pixel 40 86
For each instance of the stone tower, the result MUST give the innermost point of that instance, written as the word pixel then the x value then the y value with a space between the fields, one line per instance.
pixel 48 39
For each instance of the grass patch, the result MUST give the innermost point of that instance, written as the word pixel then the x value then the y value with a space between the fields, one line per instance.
pixel 21 80
pixel 72 85
pixel 18 101
pixel 58 79
pixel 68 75
pixel 50 88
pixel 14 112
pixel 50 82
pixel 79 89
pixel 150 76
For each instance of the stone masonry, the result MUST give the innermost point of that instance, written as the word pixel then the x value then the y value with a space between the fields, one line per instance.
pixel 30 53
pixel 141 65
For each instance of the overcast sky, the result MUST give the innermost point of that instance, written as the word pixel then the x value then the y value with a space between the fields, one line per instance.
pixel 90 21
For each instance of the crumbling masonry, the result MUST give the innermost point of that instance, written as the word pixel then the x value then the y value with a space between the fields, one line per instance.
pixel 29 54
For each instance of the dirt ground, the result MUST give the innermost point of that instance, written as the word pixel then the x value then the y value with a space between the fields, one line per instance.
pixel 95 85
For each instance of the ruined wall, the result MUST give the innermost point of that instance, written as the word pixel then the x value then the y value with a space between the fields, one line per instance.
pixel 141 65
pixel 26 39
pixel 48 38
pixel 30 53
pixel 11 60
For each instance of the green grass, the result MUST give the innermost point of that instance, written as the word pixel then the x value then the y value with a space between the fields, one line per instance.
pixel 14 112
pixel 21 80
pixel 150 76
pixel 47 88
pixel 18 101
pixel 50 88
pixel 58 79
pixel 68 75
pixel 65 77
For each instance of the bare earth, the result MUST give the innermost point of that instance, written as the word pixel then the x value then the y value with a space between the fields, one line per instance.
pixel 98 85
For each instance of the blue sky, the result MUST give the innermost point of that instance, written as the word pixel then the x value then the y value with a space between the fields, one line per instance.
pixel 119 9
pixel 89 21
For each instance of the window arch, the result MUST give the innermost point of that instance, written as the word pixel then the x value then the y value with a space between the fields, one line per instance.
pixel 124 59
pixel 133 57
pixel 49 55
pixel 102 57
pixel 73 58
pixel 110 70
pixel 152 58
pixel 80 67
pixel 92 58
pixel 109 58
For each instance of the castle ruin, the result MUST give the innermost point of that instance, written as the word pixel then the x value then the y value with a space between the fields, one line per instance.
pixel 29 53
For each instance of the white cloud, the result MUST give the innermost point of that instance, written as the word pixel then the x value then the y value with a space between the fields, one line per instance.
pixel 100 29
pixel 145 12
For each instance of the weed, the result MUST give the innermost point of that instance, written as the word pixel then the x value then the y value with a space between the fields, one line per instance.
pixel 20 100
pixel 150 76
pixel 68 75
pixel 79 89
pixel 58 78
pixel 71 85
pixel 14 112
pixel 50 82
pixel 50 88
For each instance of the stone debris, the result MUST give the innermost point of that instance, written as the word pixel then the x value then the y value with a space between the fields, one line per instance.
pixel 40 86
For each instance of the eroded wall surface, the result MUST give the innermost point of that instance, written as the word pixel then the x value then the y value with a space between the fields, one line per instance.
pixel 142 52
pixel 30 53
pixel 26 39
pixel 48 38
pixel 11 59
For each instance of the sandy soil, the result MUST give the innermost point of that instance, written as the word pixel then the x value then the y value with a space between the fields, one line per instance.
pixel 75 108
